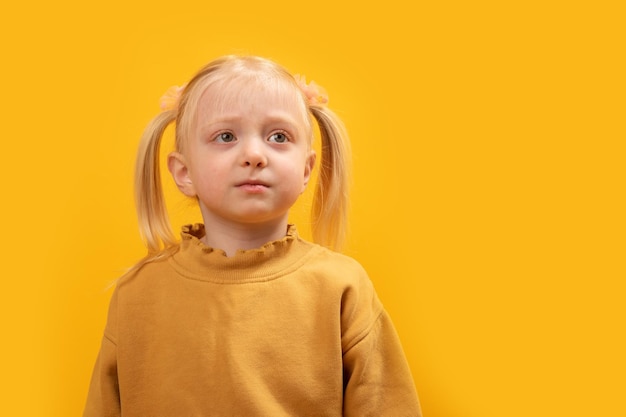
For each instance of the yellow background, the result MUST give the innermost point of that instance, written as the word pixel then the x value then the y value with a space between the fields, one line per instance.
pixel 488 204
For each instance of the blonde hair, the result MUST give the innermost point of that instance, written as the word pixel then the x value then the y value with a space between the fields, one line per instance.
pixel 330 202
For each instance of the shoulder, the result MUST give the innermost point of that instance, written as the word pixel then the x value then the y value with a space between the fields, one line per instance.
pixel 143 276
pixel 341 274
pixel 335 264
pixel 360 305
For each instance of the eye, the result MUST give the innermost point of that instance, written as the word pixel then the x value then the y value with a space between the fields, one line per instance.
pixel 278 137
pixel 225 137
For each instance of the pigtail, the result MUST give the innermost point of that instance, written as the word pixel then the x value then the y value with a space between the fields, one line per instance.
pixel 331 199
pixel 154 223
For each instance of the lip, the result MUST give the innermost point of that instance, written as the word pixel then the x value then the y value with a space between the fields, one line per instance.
pixel 252 183
pixel 252 186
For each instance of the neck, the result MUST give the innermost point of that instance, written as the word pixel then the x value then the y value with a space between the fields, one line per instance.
pixel 231 237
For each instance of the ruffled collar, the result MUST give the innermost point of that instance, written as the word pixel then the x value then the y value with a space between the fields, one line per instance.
pixel 195 260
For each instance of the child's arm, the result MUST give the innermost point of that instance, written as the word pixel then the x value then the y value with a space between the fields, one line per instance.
pixel 103 399
pixel 378 380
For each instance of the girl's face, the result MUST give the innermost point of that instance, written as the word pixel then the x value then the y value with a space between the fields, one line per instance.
pixel 248 157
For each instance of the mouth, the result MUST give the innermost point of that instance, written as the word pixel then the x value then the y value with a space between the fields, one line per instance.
pixel 253 186
pixel 252 183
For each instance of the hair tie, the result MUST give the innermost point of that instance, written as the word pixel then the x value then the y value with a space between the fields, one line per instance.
pixel 169 100
pixel 315 94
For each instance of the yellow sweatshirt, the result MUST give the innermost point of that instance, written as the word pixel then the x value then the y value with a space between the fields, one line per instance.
pixel 289 329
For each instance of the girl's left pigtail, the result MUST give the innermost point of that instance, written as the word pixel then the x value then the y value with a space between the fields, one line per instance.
pixel 331 199
pixel 329 214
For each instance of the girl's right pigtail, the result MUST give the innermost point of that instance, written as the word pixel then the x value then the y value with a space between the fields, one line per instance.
pixel 154 223
pixel 331 199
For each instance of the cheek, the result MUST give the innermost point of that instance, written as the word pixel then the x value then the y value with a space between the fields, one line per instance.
pixel 205 179
pixel 298 178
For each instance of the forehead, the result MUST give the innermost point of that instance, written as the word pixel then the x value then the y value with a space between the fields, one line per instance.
pixel 252 93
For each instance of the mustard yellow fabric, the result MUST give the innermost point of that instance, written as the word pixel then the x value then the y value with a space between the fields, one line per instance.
pixel 289 329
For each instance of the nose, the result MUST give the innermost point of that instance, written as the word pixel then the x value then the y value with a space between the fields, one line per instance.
pixel 253 153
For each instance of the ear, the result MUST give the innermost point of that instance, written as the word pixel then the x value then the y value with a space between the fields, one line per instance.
pixel 177 165
pixel 308 168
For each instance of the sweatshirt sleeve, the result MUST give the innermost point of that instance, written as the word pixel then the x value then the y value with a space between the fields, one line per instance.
pixel 103 398
pixel 377 377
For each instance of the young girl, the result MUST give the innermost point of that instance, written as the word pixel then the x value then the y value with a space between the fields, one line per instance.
pixel 242 317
